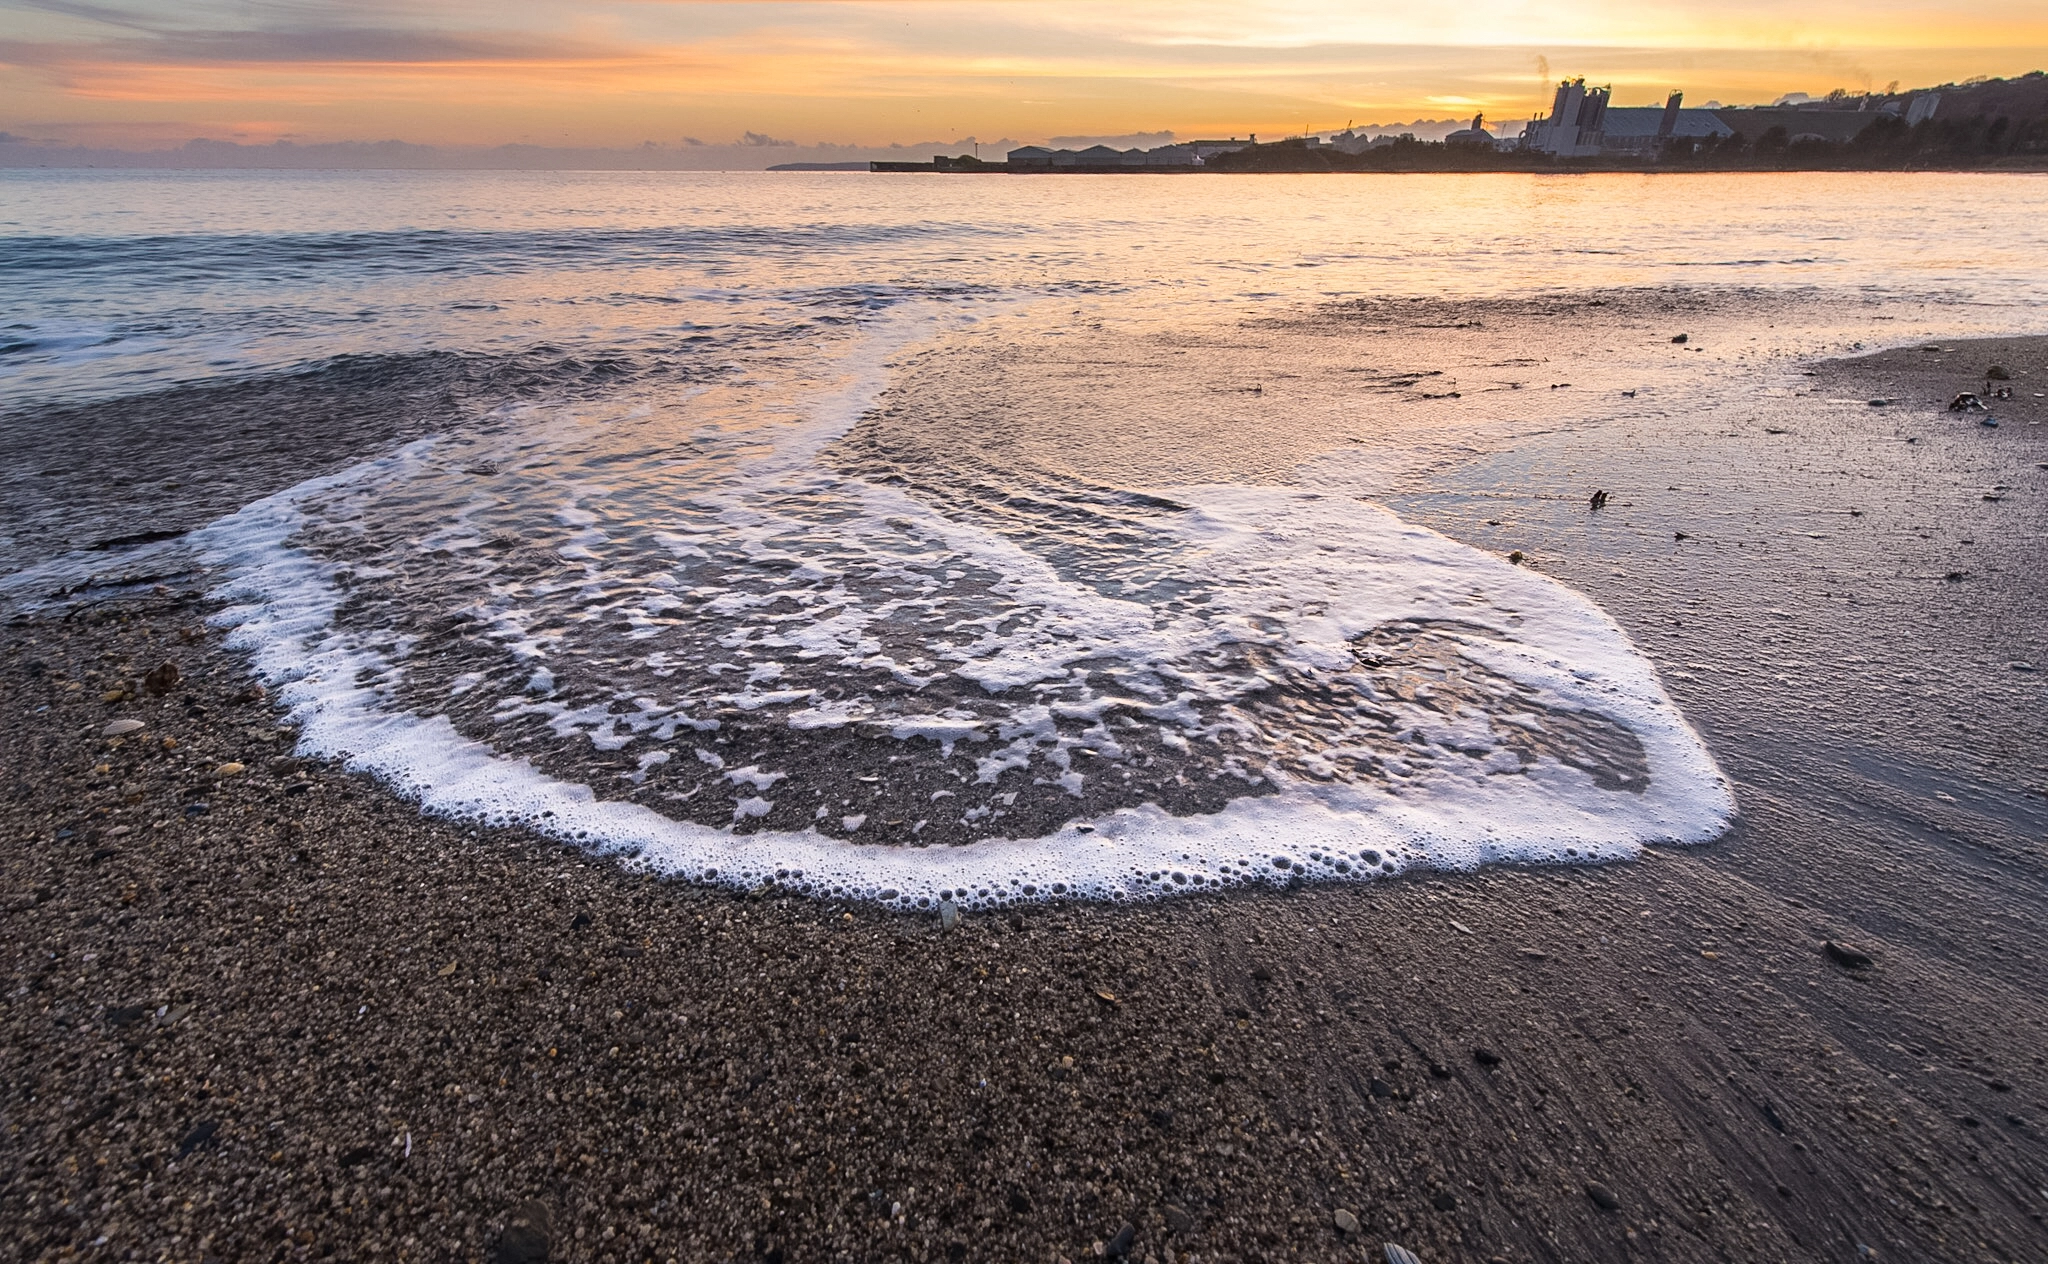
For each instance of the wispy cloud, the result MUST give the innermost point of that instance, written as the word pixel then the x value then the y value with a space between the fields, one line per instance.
pixel 618 71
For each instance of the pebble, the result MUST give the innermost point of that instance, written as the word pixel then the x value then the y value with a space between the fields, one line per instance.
pixel 1178 1221
pixel 200 1135
pixel 949 915
pixel 231 769
pixel 1603 1198
pixel 1346 1222
pixel 1120 1245
pixel 120 728
pixel 161 679
pixel 1846 957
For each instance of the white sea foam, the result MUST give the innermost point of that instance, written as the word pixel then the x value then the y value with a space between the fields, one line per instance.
pixel 1301 572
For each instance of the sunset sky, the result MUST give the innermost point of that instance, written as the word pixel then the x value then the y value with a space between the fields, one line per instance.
pixel 142 73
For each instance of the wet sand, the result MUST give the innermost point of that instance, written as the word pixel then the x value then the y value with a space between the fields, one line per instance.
pixel 301 1022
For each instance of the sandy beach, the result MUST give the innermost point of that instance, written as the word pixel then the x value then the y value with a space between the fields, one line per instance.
pixel 259 1009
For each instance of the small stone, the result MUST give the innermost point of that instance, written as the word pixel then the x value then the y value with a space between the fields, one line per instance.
pixel 1486 1057
pixel 1120 1245
pixel 1846 957
pixel 231 769
pixel 1533 954
pixel 254 693
pixel 113 695
pixel 521 1244
pixel 1444 1200
pixel 1178 1221
pixel 357 1157
pixel 1346 1222
pixel 949 915
pixel 1997 373
pixel 447 970
pixel 528 1236
pixel 121 728
pixel 1380 1088
pixel 161 679
pixel 201 1134
pixel 1603 1198
pixel 1681 339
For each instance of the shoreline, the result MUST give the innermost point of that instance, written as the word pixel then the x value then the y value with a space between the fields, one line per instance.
pixel 304 1020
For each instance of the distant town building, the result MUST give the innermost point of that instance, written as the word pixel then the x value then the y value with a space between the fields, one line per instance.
pixel 1475 136
pixel 1582 124
pixel 1648 129
pixel 1573 127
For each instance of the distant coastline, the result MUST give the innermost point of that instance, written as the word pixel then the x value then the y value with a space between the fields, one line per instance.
pixel 1991 125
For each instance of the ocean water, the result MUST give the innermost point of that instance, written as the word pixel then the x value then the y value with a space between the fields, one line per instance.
pixel 708 543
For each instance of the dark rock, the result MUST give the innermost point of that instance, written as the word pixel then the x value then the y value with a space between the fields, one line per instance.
pixel 528 1237
pixel 1999 1086
pixel 254 693
pixel 201 1135
pixel 1261 974
pixel 1772 1117
pixel 1516 557
pixel 197 809
pixel 1020 1202
pixel 1603 1198
pixel 1444 1200
pixel 1380 1088
pixel 1681 338
pixel 1120 1245
pixel 1178 1221
pixel 360 1155
pixel 521 1244
pixel 579 921
pixel 127 1015
pixel 1486 1057
pixel 1846 957
pixel 161 679
pixel 1997 373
